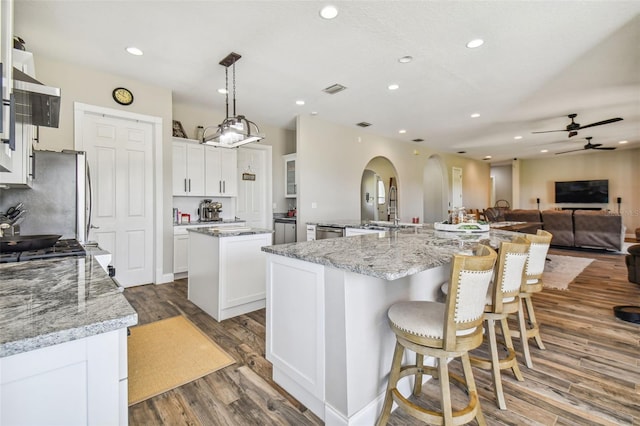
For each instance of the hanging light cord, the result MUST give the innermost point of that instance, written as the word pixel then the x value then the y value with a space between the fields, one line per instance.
pixel 234 89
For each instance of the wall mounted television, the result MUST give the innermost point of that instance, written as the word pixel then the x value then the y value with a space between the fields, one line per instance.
pixel 582 191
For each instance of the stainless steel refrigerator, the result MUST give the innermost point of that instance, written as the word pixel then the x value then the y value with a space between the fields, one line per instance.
pixel 59 201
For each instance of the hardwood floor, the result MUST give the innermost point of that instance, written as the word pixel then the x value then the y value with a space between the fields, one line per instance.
pixel 589 373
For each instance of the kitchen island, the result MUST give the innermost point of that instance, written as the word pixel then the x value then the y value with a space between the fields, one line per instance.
pixel 63 343
pixel 227 269
pixel 328 336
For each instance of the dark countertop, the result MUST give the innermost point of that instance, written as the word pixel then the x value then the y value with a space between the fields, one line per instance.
pixel 285 219
pixel 52 301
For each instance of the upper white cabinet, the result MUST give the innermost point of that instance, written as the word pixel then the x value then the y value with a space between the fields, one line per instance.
pixel 290 183
pixel 221 172
pixel 6 50
pixel 21 174
pixel 188 168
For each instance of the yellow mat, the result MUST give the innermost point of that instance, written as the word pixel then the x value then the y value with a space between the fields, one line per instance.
pixel 169 353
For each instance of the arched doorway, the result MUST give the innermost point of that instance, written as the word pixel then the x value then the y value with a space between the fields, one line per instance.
pixel 378 190
pixel 435 184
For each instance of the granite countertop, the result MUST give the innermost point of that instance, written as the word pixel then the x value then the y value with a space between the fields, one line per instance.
pixel 396 254
pixel 51 301
pixel 210 223
pixel 230 231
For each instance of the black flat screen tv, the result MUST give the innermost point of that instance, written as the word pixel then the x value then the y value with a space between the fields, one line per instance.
pixel 582 191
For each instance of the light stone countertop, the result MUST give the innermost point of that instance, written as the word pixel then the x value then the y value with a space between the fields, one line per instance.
pixel 51 301
pixel 397 254
pixel 230 231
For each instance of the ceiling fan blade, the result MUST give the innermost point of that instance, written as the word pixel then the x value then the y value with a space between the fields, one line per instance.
pixel 573 150
pixel 607 148
pixel 600 123
pixel 550 131
pixel 572 133
pixel 592 145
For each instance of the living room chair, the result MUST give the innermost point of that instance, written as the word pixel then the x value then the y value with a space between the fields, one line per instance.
pixel 443 331
pixel 528 326
pixel 502 300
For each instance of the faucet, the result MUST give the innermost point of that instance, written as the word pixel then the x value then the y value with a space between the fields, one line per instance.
pixel 392 206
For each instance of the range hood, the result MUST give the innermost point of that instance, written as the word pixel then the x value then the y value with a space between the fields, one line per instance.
pixel 36 103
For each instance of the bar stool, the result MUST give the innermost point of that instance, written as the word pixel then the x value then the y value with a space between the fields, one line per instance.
pixel 443 331
pixel 502 300
pixel 529 327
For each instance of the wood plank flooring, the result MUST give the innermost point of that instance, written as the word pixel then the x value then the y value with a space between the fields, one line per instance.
pixel 588 375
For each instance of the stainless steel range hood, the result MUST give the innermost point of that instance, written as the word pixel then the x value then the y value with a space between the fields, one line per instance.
pixel 36 103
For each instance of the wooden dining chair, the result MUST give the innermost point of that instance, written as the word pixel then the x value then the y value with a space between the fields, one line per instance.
pixel 442 331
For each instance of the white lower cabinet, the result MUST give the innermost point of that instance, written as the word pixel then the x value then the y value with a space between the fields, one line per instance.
pixel 79 382
pixel 181 245
pixel 227 274
pixel 358 231
pixel 285 232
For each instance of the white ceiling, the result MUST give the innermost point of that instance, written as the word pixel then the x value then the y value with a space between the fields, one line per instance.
pixel 541 61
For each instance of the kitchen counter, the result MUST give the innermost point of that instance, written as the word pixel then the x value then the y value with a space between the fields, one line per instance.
pixel 285 219
pixel 229 231
pixel 399 253
pixel 210 223
pixel 52 301
pixel 327 333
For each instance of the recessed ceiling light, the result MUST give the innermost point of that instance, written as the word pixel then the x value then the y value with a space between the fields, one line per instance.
pixel 517 137
pixel 134 51
pixel 402 131
pixel 544 150
pixel 300 102
pixel 475 115
pixel 475 43
pixel 329 12
pixel 405 59
pixel 222 91
pixel 393 87
pixel 623 142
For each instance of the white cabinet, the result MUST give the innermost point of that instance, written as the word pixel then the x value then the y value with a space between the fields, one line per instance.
pixel 285 232
pixel 227 275
pixel 21 174
pixel 290 182
pixel 221 172
pixel 82 381
pixel 188 168
pixel 6 50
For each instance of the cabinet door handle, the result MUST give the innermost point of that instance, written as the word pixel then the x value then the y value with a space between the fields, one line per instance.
pixel 189 185
pixel 224 186
pixel 33 166
pixel 220 186
pixel 185 184
pixel 12 122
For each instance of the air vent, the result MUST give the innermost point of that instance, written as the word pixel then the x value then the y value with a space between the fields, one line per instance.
pixel 418 140
pixel 363 124
pixel 334 88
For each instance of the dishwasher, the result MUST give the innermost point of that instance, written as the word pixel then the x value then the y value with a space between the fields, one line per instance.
pixel 324 232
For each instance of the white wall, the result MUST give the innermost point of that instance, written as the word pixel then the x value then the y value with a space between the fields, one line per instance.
pixel 503 178
pixel 620 167
pixel 331 159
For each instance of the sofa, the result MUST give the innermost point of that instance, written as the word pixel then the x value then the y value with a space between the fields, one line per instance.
pixel 599 229
pixel 633 264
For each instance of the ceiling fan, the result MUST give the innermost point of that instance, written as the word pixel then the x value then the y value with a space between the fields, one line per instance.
pixel 573 127
pixel 590 145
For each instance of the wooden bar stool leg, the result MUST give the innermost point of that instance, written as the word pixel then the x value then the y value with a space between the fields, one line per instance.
pixel 534 324
pixel 471 386
pixel 524 340
pixel 394 376
pixel 495 364
pixel 417 386
pixel 509 344
pixel 445 391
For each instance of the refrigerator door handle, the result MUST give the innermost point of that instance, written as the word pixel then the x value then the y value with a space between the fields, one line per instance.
pixel 90 203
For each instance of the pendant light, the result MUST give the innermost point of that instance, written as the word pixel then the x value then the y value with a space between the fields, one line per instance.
pixel 234 130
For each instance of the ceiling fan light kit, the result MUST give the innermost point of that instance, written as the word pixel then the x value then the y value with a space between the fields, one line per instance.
pixel 235 130
pixel 573 127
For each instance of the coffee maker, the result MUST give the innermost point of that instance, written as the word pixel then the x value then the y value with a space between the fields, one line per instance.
pixel 209 211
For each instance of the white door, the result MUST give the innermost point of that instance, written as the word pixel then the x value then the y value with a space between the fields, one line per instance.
pixel 456 187
pixel 120 158
pixel 253 204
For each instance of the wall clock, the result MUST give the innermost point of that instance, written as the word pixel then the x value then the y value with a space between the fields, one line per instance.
pixel 122 96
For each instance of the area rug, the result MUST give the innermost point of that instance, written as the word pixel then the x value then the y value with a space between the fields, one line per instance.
pixel 560 271
pixel 169 353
